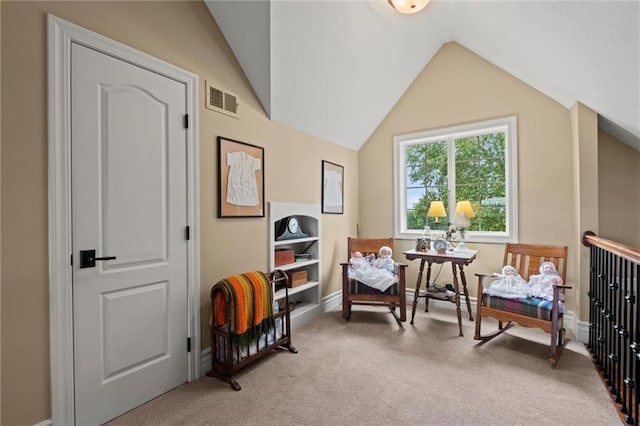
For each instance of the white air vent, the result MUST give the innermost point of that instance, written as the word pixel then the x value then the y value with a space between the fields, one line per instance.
pixel 221 101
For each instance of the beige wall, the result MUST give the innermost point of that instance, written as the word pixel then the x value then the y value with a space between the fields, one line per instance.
pixel 459 87
pixel 185 34
pixel 619 182
pixel 584 124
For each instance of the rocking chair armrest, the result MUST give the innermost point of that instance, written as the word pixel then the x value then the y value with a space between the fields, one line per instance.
pixel 484 275
pixel 557 288
pixel 481 278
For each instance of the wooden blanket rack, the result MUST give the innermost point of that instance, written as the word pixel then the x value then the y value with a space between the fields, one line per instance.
pixel 228 357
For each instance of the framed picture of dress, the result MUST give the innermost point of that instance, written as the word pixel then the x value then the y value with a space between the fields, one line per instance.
pixel 240 179
pixel 332 188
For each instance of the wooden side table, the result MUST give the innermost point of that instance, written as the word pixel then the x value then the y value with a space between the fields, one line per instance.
pixel 458 261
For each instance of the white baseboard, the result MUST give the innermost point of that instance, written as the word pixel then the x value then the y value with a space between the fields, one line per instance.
pixel 205 361
pixel 332 301
pixel 47 422
pixel 582 331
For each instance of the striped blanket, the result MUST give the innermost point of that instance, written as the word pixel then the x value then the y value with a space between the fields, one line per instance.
pixel 532 306
pixel 250 308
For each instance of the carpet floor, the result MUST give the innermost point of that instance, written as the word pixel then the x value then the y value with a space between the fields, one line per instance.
pixel 374 371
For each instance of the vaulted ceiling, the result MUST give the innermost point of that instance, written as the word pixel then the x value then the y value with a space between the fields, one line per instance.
pixel 334 69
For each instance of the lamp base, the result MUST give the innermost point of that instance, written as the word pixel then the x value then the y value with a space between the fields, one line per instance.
pixel 461 248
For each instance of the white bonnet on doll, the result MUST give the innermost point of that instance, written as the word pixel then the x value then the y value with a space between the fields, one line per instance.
pixel 548 268
pixel 509 270
pixel 385 251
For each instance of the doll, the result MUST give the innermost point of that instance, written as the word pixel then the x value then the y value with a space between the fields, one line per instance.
pixel 509 284
pixel 543 283
pixel 384 260
pixel 356 259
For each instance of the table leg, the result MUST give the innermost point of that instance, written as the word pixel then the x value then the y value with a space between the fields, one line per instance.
pixel 457 298
pixel 466 292
pixel 417 293
pixel 426 287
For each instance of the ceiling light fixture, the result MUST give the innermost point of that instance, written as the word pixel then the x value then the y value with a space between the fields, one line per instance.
pixel 408 6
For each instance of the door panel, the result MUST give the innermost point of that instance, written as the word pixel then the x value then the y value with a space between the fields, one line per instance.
pixel 131 345
pixel 126 142
pixel 128 149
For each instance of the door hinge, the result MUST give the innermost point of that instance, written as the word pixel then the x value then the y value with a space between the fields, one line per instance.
pixel 186 121
pixel 72 259
pixel 188 344
pixel 187 233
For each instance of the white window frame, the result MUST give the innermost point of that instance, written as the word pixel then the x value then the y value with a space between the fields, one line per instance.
pixel 508 125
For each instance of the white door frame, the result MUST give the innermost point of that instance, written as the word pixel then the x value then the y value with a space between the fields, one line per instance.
pixel 61 34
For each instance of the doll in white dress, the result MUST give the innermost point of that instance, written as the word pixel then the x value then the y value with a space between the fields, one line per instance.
pixel 384 260
pixel 543 283
pixel 509 284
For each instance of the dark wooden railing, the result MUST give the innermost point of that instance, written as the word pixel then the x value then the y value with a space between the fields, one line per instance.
pixel 614 319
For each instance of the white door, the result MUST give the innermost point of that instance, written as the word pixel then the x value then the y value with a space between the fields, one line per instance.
pixel 128 150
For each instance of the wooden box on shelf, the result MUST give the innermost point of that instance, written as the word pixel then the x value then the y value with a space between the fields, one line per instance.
pixel 297 278
pixel 284 257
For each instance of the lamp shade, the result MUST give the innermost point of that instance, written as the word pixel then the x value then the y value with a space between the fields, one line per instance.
pixel 408 6
pixel 436 209
pixel 464 208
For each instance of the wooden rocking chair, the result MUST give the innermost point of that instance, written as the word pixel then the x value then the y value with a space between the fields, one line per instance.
pixel 357 293
pixel 531 312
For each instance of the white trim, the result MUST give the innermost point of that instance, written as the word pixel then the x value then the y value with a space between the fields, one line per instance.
pixel 332 301
pixel 581 331
pixel 508 125
pixel 47 422
pixel 61 34
pixel 205 360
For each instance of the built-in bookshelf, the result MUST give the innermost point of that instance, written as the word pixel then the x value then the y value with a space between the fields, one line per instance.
pixel 304 246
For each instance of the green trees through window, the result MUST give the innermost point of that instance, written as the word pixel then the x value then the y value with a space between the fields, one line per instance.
pixel 462 164
pixel 479 170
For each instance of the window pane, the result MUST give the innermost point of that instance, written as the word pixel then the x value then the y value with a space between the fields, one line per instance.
pixel 491 214
pixel 490 218
pixel 492 145
pixel 414 196
pixel 426 180
pixel 468 148
pixel 415 207
pixel 480 175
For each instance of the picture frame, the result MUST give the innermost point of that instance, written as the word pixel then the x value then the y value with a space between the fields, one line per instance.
pixel 240 179
pixel 332 188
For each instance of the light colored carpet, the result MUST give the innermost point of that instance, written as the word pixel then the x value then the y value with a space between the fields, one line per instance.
pixel 372 371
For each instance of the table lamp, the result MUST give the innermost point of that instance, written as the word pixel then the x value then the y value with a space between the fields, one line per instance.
pixel 462 220
pixel 436 210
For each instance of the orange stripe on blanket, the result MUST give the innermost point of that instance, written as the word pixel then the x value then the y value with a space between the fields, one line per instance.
pixel 258 291
pixel 220 308
pixel 244 302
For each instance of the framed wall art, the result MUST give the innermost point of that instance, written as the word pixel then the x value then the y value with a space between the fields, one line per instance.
pixel 240 179
pixel 332 188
